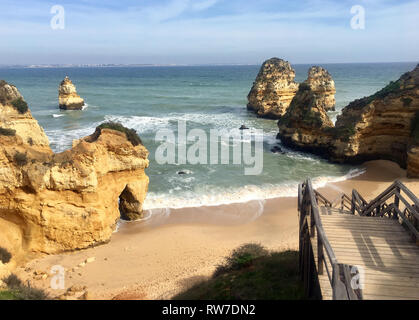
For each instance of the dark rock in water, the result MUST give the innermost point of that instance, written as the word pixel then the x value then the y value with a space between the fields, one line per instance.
pixel 277 149
pixel 243 127
pixel 185 171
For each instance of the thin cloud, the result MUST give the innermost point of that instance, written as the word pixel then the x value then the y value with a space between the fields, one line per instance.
pixel 208 31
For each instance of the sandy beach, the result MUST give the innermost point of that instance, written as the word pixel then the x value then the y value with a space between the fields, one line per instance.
pixel 158 257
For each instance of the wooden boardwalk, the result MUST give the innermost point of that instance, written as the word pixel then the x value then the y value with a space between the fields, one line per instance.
pixel 373 257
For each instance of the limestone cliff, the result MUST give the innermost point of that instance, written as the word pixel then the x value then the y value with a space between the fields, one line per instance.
pixel 322 84
pixel 15 116
pixel 305 122
pixel 68 98
pixel 58 202
pixel 384 125
pixel 274 88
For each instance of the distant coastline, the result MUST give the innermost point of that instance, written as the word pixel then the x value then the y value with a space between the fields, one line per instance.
pixel 52 66
pixel 145 65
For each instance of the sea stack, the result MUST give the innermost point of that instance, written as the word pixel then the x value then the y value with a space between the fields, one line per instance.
pixel 306 123
pixel 384 125
pixel 56 202
pixel 273 89
pixel 67 96
pixel 322 84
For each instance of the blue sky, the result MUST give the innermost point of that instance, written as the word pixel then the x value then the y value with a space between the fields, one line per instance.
pixel 207 31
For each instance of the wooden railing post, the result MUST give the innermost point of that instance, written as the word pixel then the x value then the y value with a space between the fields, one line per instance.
pixel 320 256
pixel 396 202
pixel 312 223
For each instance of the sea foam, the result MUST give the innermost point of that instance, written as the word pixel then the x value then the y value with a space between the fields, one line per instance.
pixel 240 195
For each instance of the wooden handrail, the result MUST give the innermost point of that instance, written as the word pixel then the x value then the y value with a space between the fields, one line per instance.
pixel 318 223
pixel 321 198
pixel 379 206
pixel 310 223
pixel 308 207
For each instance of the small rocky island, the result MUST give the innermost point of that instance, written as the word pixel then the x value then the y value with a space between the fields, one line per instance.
pixel 54 202
pixel 384 125
pixel 275 88
pixel 68 98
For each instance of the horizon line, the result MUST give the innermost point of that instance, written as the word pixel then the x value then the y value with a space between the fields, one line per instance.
pixel 116 65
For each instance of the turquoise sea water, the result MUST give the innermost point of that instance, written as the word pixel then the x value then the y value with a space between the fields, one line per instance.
pixel 206 97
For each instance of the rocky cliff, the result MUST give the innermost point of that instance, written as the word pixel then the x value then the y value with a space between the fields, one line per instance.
pixel 384 125
pixel 274 88
pixel 58 202
pixel 68 98
pixel 306 122
pixel 322 84
pixel 15 116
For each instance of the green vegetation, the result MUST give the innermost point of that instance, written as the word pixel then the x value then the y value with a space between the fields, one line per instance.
pixel 392 87
pixel 312 119
pixel 5 255
pixel 16 290
pixel 241 257
pixel 251 273
pixel 20 105
pixel 308 118
pixel 415 128
pixel 8 295
pixel 131 134
pixel 304 87
pixel 407 101
pixel 7 132
pixel 21 159
pixel 343 133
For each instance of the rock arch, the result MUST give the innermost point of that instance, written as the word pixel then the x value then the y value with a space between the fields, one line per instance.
pixel 130 205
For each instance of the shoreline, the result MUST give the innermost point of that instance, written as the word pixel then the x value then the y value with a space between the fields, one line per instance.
pixel 157 258
pixel 246 194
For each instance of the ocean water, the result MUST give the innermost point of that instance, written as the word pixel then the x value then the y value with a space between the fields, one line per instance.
pixel 206 97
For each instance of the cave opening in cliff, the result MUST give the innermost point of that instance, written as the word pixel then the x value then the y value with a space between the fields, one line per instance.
pixel 129 206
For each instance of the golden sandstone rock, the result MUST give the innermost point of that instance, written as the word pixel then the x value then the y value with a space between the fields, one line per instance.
pixel 384 125
pixel 305 122
pixel 274 88
pixel 322 84
pixel 59 202
pixel 68 98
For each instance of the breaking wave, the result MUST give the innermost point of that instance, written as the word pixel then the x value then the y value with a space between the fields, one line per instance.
pixel 244 194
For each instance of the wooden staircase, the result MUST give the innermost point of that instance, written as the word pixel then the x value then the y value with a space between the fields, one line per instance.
pixel 353 250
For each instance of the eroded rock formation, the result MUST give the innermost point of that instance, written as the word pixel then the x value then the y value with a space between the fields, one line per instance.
pixel 68 98
pixel 274 88
pixel 58 202
pixel 306 122
pixel 322 84
pixel 384 125
pixel 15 116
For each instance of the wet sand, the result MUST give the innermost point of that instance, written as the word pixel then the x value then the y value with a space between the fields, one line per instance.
pixel 156 258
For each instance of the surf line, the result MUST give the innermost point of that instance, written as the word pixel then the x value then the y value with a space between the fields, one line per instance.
pixel 246 147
